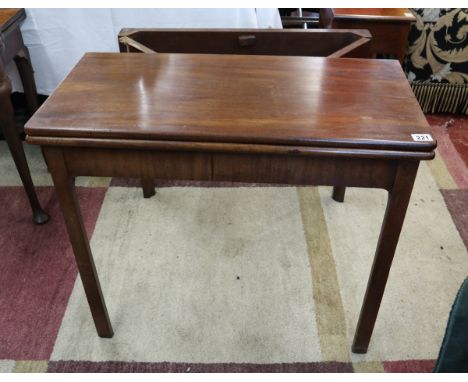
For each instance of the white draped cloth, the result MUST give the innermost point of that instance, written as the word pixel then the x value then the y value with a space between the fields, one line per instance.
pixel 58 38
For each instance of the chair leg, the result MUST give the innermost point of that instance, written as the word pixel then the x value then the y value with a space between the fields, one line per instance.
pixel 7 123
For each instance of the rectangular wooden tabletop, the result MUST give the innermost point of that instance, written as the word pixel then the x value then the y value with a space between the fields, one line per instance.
pixel 306 101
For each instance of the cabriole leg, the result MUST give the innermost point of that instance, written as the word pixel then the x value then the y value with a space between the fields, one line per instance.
pixel 8 126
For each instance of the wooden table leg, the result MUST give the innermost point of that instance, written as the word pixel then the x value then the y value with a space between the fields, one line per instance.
pixel 339 193
pixel 65 188
pixel 148 187
pixel 25 70
pixel 7 123
pixel 397 205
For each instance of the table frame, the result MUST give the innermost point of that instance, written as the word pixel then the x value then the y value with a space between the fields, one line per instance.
pixel 394 171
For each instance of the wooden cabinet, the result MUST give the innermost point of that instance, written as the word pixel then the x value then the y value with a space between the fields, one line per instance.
pixel 389 26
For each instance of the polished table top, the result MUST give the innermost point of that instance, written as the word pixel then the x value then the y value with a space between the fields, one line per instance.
pixel 307 101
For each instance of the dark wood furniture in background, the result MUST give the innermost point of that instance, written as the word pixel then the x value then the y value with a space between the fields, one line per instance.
pixel 13 48
pixel 260 119
pixel 389 26
pixel 322 43
pixel 304 18
pixel 275 42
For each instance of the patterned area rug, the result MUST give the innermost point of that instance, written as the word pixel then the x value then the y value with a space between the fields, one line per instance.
pixel 231 278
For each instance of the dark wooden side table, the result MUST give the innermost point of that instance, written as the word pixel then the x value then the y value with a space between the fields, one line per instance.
pixel 389 26
pixel 260 119
pixel 13 48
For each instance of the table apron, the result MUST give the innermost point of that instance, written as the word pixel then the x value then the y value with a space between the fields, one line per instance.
pixel 235 167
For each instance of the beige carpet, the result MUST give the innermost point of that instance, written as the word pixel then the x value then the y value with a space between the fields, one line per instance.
pixel 229 275
pixel 234 276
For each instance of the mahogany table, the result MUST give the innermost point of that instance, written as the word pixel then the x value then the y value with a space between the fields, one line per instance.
pixel 289 120
pixel 389 27
pixel 12 48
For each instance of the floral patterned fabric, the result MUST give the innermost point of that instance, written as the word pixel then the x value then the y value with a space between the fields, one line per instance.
pixel 437 59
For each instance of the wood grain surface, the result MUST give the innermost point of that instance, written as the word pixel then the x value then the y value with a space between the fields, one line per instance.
pixel 307 101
